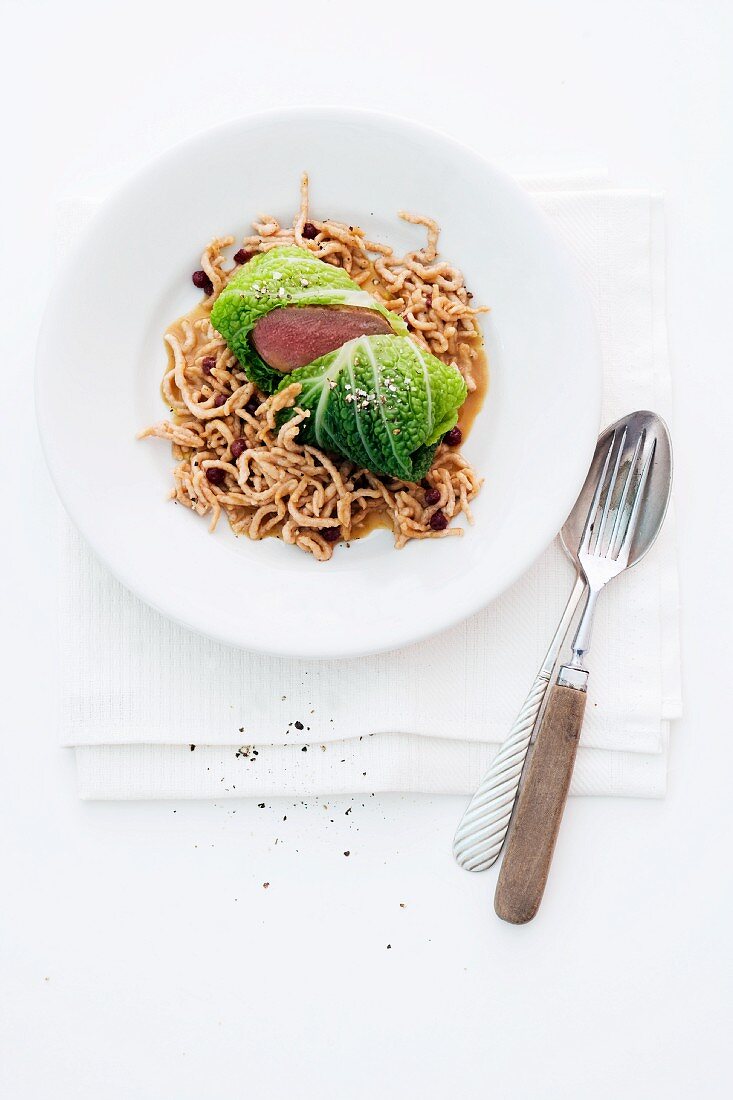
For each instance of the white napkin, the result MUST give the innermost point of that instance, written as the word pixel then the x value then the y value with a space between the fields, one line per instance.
pixel 138 691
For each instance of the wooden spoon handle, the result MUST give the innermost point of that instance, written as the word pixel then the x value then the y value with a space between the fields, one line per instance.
pixel 540 806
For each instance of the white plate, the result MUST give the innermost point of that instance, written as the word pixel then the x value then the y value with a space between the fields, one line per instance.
pixel 101 358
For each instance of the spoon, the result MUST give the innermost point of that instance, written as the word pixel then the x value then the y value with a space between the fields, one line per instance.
pixel 627 508
pixel 483 827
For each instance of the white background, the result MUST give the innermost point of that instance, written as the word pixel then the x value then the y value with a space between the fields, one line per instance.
pixel 140 955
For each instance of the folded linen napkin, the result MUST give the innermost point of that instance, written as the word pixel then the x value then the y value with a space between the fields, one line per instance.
pixel 138 691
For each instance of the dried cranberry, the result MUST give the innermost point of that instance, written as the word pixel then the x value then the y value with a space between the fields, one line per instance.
pixel 219 400
pixel 215 475
pixel 439 521
pixel 432 496
pixel 207 363
pixel 238 448
pixel 243 256
pixel 453 437
pixel 202 281
pixel 253 405
pixel 331 534
pixel 309 231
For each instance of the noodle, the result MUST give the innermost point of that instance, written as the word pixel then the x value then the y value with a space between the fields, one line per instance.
pixel 275 485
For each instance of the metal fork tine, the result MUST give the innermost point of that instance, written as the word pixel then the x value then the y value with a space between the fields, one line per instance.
pixel 620 513
pixel 587 530
pixel 636 507
pixel 609 497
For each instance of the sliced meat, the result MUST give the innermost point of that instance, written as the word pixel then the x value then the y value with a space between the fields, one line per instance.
pixel 290 337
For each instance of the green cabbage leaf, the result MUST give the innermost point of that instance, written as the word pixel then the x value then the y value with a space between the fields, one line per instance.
pixel 380 401
pixel 284 276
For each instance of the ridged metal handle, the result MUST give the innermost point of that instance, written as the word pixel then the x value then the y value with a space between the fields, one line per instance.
pixel 481 833
pixel 483 827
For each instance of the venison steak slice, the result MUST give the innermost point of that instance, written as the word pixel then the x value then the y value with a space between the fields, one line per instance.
pixel 292 336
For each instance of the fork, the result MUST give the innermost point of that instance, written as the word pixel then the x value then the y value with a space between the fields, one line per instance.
pixel 604 551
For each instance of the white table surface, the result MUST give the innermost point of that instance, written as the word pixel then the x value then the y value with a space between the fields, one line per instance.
pixel 140 955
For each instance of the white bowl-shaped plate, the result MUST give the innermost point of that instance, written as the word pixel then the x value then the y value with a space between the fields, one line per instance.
pixel 101 357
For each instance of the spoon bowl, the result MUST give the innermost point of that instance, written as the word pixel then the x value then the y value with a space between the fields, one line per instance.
pixel 657 494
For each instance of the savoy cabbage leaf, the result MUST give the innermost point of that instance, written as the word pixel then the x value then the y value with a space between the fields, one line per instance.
pixel 284 276
pixel 380 401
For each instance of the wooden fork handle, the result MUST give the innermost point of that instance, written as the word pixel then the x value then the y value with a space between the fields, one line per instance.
pixel 540 806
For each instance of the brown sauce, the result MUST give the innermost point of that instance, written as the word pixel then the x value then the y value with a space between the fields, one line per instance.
pixel 471 407
pixel 371 522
